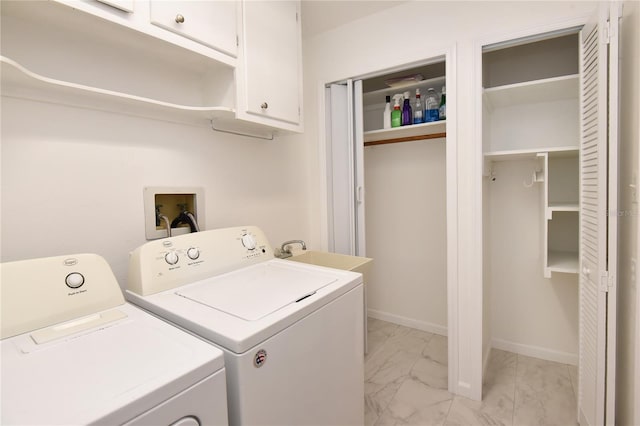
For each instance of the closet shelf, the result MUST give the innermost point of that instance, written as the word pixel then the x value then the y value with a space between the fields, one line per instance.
pixel 18 81
pixel 545 90
pixel 520 154
pixel 415 132
pixel 523 154
pixel 563 261
pixel 564 207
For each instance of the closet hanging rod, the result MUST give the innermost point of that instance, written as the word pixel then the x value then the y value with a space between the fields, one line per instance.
pixel 407 139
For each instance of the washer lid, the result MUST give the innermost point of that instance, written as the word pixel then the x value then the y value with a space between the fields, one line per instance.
pixel 257 291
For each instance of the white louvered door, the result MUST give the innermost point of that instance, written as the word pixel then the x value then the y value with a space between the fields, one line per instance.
pixel 593 142
pixel 598 186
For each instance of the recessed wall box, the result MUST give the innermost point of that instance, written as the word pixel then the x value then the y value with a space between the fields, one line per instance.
pixel 162 205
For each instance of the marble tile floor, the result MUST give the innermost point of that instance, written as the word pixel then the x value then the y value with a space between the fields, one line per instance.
pixel 406 384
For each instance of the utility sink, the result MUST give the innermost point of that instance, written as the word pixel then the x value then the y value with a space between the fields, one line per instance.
pixel 335 260
pixel 344 262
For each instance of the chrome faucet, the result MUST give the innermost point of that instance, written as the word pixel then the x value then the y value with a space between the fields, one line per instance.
pixel 161 217
pixel 285 250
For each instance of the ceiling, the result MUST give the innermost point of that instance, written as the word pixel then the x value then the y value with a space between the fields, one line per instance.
pixel 322 15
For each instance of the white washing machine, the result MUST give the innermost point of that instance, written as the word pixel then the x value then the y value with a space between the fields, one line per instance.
pixel 291 332
pixel 74 352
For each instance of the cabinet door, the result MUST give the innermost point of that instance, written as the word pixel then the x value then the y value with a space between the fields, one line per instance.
pixel 271 61
pixel 212 23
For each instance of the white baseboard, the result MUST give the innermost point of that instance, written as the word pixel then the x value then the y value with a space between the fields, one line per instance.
pixel 536 351
pixel 408 322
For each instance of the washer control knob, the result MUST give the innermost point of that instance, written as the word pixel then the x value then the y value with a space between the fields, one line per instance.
pixel 74 280
pixel 171 258
pixel 249 241
pixel 193 253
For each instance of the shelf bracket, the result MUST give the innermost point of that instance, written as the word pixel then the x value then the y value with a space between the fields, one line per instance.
pixel 269 135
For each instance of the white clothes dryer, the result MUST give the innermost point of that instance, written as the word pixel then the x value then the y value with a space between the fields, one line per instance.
pixel 74 352
pixel 291 333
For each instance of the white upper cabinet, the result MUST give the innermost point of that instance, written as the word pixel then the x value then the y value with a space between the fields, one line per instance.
pixel 212 23
pixel 269 72
pixel 230 65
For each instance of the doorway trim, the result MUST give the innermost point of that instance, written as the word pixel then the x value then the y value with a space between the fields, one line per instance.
pixel 499 40
pixel 453 292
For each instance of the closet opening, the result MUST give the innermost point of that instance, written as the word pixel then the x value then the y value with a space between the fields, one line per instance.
pixel 406 214
pixel 531 216
pixel 400 209
pixel 550 143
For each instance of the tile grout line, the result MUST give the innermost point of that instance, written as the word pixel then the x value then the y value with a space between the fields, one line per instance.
pixel 453 396
pixel 383 409
pixel 446 418
pixel 575 393
pixel 515 387
pixel 408 377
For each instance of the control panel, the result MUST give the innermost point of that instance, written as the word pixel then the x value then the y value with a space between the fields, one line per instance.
pixel 172 262
pixel 38 293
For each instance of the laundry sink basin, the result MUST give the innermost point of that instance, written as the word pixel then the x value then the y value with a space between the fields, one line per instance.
pixel 340 261
pixel 334 260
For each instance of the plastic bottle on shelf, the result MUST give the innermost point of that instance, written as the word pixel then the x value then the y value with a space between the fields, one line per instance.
pixel 386 117
pixel 407 115
pixel 442 112
pixel 432 106
pixel 396 114
pixel 417 109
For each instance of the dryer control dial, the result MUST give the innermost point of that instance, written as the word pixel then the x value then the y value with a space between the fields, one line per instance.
pixel 193 253
pixel 249 241
pixel 171 258
pixel 74 280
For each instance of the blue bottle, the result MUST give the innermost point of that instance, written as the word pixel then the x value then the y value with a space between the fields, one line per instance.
pixel 407 115
pixel 432 106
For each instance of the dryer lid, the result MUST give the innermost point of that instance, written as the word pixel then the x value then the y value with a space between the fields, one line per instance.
pixel 254 292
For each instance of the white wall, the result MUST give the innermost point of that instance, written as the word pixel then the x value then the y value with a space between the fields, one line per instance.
pixel 628 336
pixel 406 233
pixel 400 36
pixel 531 314
pixel 73 178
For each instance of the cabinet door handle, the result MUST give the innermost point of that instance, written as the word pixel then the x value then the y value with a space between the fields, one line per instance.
pixel 264 105
pixel 179 18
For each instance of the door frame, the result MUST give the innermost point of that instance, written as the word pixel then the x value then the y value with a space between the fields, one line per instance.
pixel 453 302
pixel 496 39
